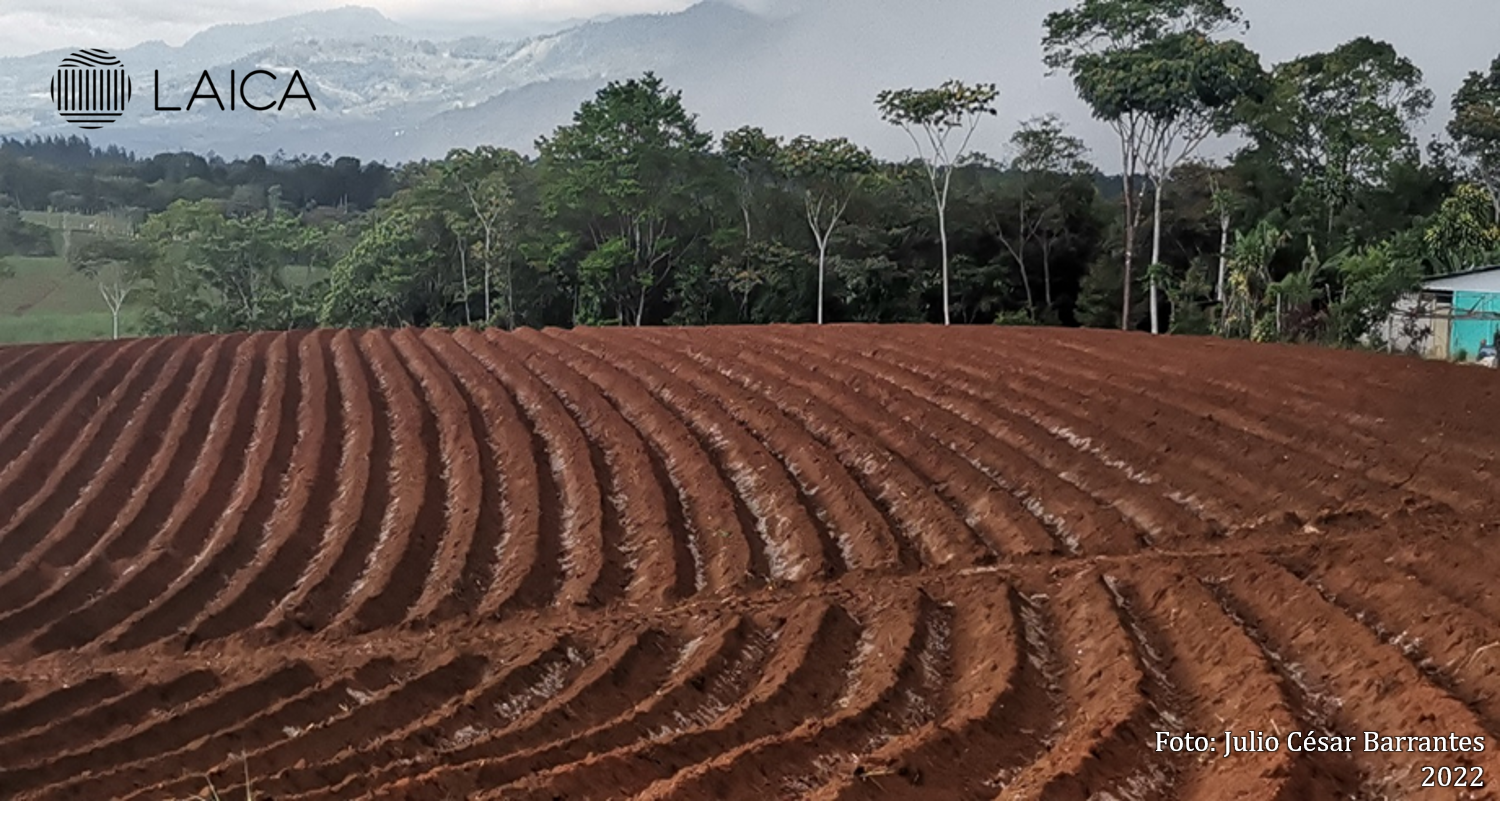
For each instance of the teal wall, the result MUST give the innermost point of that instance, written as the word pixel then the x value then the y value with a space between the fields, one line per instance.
pixel 1467 332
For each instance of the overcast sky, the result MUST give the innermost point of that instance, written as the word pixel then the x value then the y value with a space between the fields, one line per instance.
pixel 29 26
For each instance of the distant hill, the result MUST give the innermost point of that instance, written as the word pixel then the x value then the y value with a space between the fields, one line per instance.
pixel 398 91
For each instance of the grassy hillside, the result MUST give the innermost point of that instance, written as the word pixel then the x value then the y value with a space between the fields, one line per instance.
pixel 48 302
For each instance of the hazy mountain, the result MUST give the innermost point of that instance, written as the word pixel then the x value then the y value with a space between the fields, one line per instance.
pixel 394 91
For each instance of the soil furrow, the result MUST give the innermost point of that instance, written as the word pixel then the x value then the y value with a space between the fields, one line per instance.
pixel 639 543
pixel 1274 420
pixel 398 752
pixel 987 482
pixel 894 685
pixel 998 711
pixel 852 527
pixel 1203 475
pixel 713 528
pixel 944 484
pixel 499 764
pixel 90 542
pixel 1224 685
pixel 148 777
pixel 11 692
pixel 291 541
pixel 1035 440
pixel 569 497
pixel 90 435
pixel 70 731
pixel 508 506
pixel 404 546
pixel 797 546
pixel 209 714
pixel 1361 684
pixel 933 533
pixel 356 521
pixel 452 500
pixel 1100 749
pixel 58 704
pixel 109 726
pixel 19 363
pixel 248 476
pixel 410 699
pixel 199 488
pixel 42 403
pixel 797 678
pixel 1451 645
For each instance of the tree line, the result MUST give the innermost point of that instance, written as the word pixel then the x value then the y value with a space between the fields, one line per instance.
pixel 633 214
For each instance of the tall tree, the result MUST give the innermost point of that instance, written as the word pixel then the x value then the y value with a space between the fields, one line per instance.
pixel 629 168
pixel 1341 119
pixel 827 173
pixel 117 265
pixel 1152 70
pixel 752 154
pixel 1476 128
pixel 1048 160
pixel 938 113
pixel 237 262
pixel 486 178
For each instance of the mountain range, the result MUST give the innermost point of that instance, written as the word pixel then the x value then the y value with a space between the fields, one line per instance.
pixel 384 91
pixel 400 91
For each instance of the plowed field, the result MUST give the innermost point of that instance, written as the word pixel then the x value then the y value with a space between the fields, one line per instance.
pixel 856 562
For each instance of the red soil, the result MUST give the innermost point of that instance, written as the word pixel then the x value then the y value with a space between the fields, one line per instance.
pixel 852 562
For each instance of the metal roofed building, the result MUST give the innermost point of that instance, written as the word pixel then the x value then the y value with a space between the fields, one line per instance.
pixel 1450 317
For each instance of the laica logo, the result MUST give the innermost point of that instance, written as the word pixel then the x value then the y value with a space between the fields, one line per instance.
pixel 90 88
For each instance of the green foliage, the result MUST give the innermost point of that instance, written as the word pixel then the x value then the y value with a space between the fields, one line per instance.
pixel 1098 25
pixel 1372 280
pixel 937 113
pixel 946 107
pixel 1042 147
pixel 384 280
pixel 627 177
pixel 1340 120
pixel 1154 69
pixel 826 174
pixel 1250 275
pixel 1476 125
pixel 216 273
pixel 1180 76
pixel 1189 297
pixel 1016 317
pixel 631 215
pixel 487 183
pixel 1464 233
pixel 18 237
pixel 752 155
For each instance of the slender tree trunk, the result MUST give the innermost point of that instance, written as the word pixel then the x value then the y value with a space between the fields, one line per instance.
pixel 1156 254
pixel 512 308
pixel 486 284
pixel 1046 273
pixel 465 282
pixel 821 281
pixel 1030 299
pixel 1224 261
pixel 946 289
pixel 1129 255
